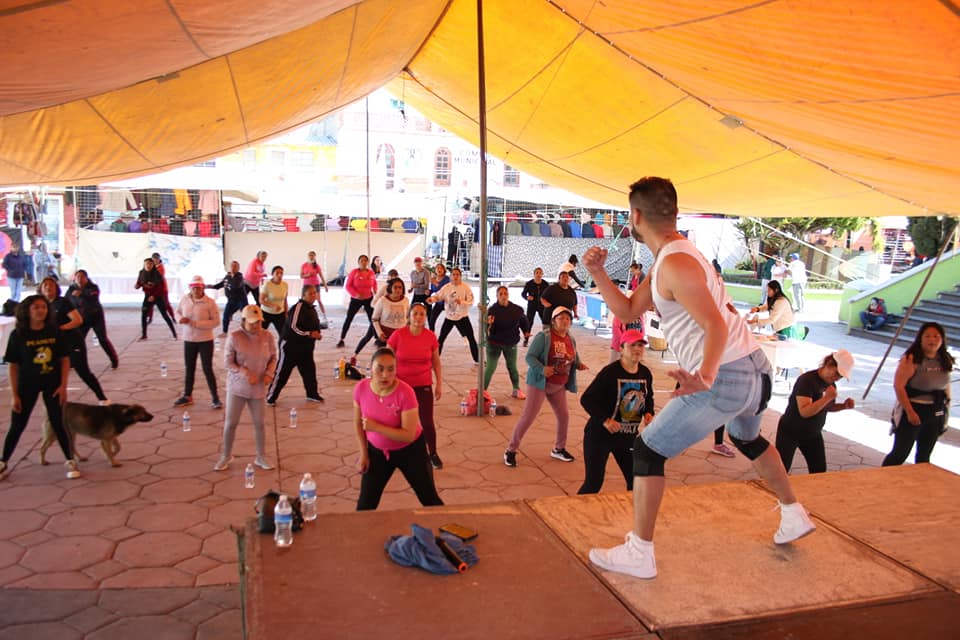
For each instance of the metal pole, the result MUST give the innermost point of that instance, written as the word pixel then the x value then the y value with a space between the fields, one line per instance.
pixel 366 103
pixel 482 308
pixel 906 316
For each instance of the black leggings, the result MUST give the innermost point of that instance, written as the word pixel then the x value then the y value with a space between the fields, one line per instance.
pixel 425 410
pixel 533 311
pixel 925 436
pixel 18 421
pixel 275 319
pixel 435 312
pixel 190 352
pixel 598 444
pixel 413 463
pixel 147 309
pixel 466 330
pixel 355 305
pixel 231 308
pixel 811 446
pixel 99 326
pixel 78 361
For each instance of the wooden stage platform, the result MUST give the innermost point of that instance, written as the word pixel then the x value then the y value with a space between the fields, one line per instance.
pixel 883 563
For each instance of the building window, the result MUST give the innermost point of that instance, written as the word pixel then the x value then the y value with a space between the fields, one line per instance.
pixel 385 154
pixel 207 163
pixel 278 159
pixel 511 177
pixel 441 168
pixel 249 159
pixel 302 162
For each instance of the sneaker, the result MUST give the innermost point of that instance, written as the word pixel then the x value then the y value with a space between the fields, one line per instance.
pixel 104 402
pixel 141 338
pixel 216 404
pixel 263 464
pixel 222 463
pixel 271 403
pixel 510 458
pixel 519 395
pixel 114 364
pixel 436 461
pixel 341 344
pixel 525 341
pixel 634 557
pixel 353 360
pixel 72 471
pixel 794 523
pixel 183 401
pixel 319 398
pixel 562 454
pixel 724 450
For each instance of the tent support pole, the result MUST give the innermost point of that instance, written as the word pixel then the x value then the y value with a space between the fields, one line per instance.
pixel 482 307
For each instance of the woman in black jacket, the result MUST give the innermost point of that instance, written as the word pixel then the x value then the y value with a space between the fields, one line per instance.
pixel 86 297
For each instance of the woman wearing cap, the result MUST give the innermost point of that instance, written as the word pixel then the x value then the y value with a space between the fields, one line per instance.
pixel 273 300
pixel 922 385
pixel 250 357
pixel 389 435
pixel 457 299
pixel 198 314
pixel 619 401
pixel 813 396
pixel 780 313
pixel 552 362
pixel 418 362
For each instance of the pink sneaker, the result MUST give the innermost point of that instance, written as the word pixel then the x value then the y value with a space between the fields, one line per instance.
pixel 724 450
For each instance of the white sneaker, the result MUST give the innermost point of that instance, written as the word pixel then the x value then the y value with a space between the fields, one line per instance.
pixel 72 472
pixel 263 464
pixel 794 523
pixel 634 557
pixel 222 463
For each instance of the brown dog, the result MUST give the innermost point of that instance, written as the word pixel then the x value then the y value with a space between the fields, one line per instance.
pixel 101 423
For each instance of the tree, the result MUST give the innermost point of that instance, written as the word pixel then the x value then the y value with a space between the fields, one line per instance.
pixel 789 231
pixel 928 232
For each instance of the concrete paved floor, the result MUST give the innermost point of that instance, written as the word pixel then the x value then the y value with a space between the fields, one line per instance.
pixel 150 543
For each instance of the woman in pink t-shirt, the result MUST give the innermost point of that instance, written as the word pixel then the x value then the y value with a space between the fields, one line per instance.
pixel 361 284
pixel 418 361
pixel 389 435
pixel 311 273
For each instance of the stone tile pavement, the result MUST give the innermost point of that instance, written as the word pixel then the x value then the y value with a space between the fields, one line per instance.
pixel 148 548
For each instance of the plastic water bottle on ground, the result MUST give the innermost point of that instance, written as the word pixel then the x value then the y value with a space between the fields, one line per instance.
pixel 186 421
pixel 493 408
pixel 163 369
pixel 293 418
pixel 249 477
pixel 463 407
pixel 308 497
pixel 96 342
pixel 283 522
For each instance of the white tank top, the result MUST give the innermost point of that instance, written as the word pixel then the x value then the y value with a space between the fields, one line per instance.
pixel 684 335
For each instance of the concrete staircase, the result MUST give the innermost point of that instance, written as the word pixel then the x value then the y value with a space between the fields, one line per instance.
pixel 945 309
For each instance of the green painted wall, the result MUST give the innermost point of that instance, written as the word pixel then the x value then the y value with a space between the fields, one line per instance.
pixel 899 293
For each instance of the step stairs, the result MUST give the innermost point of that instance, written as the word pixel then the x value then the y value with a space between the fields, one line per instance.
pixel 945 309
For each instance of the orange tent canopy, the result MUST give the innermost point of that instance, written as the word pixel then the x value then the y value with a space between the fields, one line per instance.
pixel 793 108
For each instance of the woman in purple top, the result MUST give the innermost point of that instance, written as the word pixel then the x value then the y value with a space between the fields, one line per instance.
pixel 389 436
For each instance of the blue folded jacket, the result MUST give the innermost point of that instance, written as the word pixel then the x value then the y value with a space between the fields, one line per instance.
pixel 421 550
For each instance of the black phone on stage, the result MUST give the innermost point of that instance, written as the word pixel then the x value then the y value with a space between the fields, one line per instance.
pixel 459 531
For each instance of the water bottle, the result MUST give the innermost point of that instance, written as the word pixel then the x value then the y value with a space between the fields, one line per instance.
pixel 186 421
pixel 283 522
pixel 493 408
pixel 336 373
pixel 342 369
pixel 463 406
pixel 163 369
pixel 249 477
pixel 308 497
pixel 293 418
pixel 96 342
